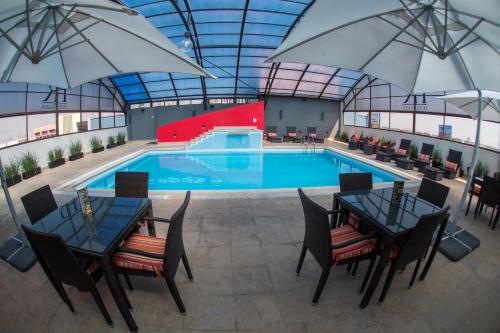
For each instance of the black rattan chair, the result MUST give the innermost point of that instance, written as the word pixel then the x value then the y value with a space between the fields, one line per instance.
pixel 433 192
pixel 489 197
pixel 61 266
pixel 351 182
pixel 388 146
pixel 291 134
pixel 332 247
pixel 424 158
pixel 272 134
pixel 402 151
pixel 415 247
pixel 156 257
pixel 372 146
pixel 39 203
pixel 452 164
pixel 311 133
pixel 131 184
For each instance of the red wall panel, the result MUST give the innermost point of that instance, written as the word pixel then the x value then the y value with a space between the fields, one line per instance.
pixel 187 129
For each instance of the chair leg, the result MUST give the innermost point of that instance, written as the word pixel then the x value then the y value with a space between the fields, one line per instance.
pixel 348 267
pixel 321 285
pixel 387 284
pixel 62 292
pixel 102 307
pixel 301 259
pixel 175 294
pixel 355 268
pixel 496 218
pixel 129 283
pixel 186 266
pixel 468 205
pixel 415 272
pixel 368 273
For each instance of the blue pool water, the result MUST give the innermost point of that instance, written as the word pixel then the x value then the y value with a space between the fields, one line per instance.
pixel 229 139
pixel 241 170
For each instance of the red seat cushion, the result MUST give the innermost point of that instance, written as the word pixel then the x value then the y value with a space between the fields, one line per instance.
pixel 272 134
pixel 292 134
pixel 353 221
pixel 142 243
pixel 451 165
pixel 345 234
pixel 92 267
pixel 401 151
pixel 423 157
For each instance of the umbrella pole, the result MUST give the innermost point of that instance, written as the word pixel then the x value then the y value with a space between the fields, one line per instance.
pixel 17 250
pixel 458 243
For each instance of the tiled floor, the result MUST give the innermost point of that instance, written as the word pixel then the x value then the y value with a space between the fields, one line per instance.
pixel 243 253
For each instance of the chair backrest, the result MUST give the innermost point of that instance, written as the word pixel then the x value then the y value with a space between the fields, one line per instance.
pixel 291 129
pixel 496 175
pixel 272 129
pixel 427 149
pixel 52 252
pixel 311 130
pixel 355 181
pixel 420 238
pixel 490 191
pixel 39 203
pixel 175 243
pixel 454 156
pixel 405 144
pixel 131 184
pixel 317 237
pixel 433 192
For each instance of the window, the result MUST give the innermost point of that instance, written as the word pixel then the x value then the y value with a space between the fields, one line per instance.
pixel 13 131
pixel 361 119
pixel 69 123
pixel 90 121
pixel 41 126
pixel 428 124
pixel 349 118
pixel 107 120
pixel 402 122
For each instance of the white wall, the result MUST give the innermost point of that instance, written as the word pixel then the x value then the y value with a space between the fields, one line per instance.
pixel 42 147
pixel 486 156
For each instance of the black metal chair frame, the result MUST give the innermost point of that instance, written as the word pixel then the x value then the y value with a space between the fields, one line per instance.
pixel 403 144
pixel 289 138
pixel 454 156
pixel 433 192
pixel 61 266
pixel 317 240
pixel 273 139
pixel 489 197
pixel 39 203
pixel 173 254
pixel 427 149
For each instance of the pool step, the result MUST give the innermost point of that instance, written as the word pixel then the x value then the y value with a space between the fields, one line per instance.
pixel 228 138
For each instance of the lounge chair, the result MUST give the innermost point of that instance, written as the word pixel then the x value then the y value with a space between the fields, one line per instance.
pixel 364 141
pixel 372 146
pixel 291 134
pixel 311 133
pixel 402 151
pixel 388 146
pixel 424 158
pixel 354 141
pixel 452 164
pixel 272 134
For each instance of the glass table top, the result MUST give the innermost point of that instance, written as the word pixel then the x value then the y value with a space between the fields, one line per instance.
pixel 110 217
pixel 377 207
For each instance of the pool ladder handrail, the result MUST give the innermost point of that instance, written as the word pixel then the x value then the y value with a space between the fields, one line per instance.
pixel 310 141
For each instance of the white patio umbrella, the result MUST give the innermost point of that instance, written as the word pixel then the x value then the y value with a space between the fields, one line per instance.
pixel 67 43
pixel 419 45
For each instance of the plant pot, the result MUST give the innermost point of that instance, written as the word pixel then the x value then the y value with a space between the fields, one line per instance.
pixel 32 173
pixel 76 157
pixel 436 164
pixel 461 172
pixel 14 181
pixel 98 150
pixel 120 143
pixel 111 146
pixel 57 163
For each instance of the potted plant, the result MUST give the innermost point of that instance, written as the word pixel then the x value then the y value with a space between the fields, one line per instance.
pixel 111 142
pixel 56 157
pixel 413 151
pixel 13 172
pixel 75 150
pixel 344 136
pixel 120 138
pixel 96 144
pixel 29 165
pixel 481 169
pixel 436 158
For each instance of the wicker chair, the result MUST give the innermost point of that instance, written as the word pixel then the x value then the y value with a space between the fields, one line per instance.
pixel 272 134
pixel 489 197
pixel 156 257
pixel 433 192
pixel 402 151
pixel 424 158
pixel 291 134
pixel 452 164
pixel 39 203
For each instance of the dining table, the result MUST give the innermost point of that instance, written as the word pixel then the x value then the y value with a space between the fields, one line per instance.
pixel 391 220
pixel 98 235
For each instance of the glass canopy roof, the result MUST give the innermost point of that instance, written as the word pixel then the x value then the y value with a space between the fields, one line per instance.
pixel 232 39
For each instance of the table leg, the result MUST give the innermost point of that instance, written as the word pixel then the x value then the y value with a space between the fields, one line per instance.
pixel 377 275
pixel 435 247
pixel 116 291
pixel 334 217
pixel 151 224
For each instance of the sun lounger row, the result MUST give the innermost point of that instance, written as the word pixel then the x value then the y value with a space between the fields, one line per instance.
pixel 292 135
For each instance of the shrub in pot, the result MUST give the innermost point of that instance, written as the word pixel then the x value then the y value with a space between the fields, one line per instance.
pixel 436 158
pixel 120 138
pixel 413 151
pixel 13 172
pixel 96 144
pixel 344 136
pixel 111 142
pixel 56 157
pixel 29 165
pixel 481 169
pixel 75 150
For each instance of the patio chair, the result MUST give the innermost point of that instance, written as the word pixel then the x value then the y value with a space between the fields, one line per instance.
pixel 62 266
pixel 433 192
pixel 272 134
pixel 402 151
pixel 291 134
pixel 311 133
pixel 332 247
pixel 364 141
pixel 388 146
pixel 354 141
pixel 452 164
pixel 39 203
pixel 474 190
pixel 156 257
pixel 424 158
pixel 134 185
pixel 372 146
pixel 489 197
pixel 414 247
pixel 350 182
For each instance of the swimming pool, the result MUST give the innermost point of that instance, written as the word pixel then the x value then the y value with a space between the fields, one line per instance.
pixel 233 170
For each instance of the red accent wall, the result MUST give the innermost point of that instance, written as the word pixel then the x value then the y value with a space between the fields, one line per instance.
pixel 190 128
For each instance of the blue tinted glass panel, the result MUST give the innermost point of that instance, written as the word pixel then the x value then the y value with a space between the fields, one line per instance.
pixel 220 61
pixel 266 29
pixel 189 92
pixel 174 31
pixel 218 16
pixel 168 19
pixel 136 97
pixel 252 61
pixel 185 84
pixel 226 82
pixel 264 17
pixel 350 74
pixel 162 94
pixel 218 4
pixel 261 40
pixel 220 72
pixel 343 81
pixel 133 3
pixel 146 77
pixel 162 85
pixel 219 40
pixel 163 7
pixel 128 79
pixel 246 91
pixel 132 89
pixel 219 28
pixel 256 52
pixel 220 91
pixel 277 6
pixel 207 52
